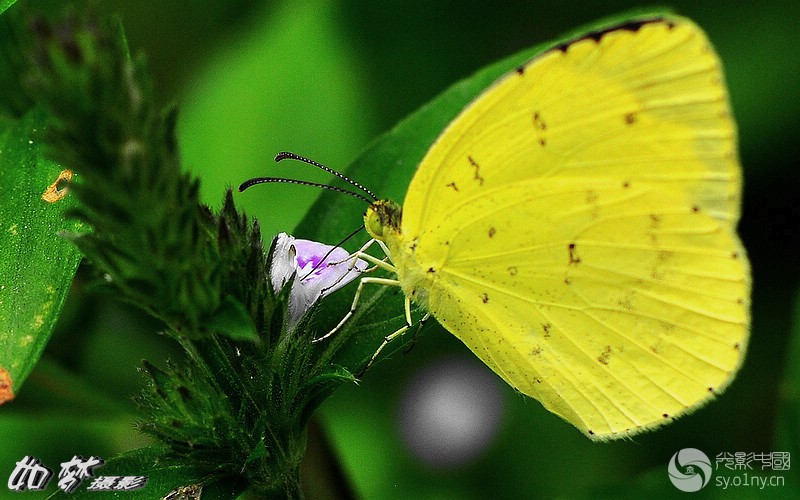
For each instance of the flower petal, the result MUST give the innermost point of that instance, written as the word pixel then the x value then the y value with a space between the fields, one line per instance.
pixel 319 270
pixel 283 261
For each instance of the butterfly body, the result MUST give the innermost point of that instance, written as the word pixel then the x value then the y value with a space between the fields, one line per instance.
pixel 580 238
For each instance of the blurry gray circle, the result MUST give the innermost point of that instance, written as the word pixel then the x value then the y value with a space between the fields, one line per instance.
pixel 450 412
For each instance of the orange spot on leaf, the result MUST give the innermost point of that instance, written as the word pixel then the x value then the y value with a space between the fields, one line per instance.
pixel 54 192
pixel 6 394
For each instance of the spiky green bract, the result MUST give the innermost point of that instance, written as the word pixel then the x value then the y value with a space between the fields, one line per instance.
pixel 239 403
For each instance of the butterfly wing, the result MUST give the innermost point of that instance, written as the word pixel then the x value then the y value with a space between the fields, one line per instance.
pixel 578 223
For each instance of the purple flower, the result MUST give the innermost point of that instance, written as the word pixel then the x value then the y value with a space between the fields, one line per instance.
pixel 314 277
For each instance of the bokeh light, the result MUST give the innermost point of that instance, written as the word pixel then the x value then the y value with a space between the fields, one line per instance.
pixel 450 411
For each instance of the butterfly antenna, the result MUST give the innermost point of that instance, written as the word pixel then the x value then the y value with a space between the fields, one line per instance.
pixel 263 180
pixel 283 155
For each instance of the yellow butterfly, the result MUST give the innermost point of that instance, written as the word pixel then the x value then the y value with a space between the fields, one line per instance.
pixel 575 227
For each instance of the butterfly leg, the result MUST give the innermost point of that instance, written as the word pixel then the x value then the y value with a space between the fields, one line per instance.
pixel 364 281
pixel 402 330
pixel 381 263
pixel 361 254
pixel 353 259
pixel 416 333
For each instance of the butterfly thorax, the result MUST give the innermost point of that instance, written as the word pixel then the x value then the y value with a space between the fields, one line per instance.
pixel 383 222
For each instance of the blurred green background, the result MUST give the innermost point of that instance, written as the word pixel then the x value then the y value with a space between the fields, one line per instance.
pixel 324 78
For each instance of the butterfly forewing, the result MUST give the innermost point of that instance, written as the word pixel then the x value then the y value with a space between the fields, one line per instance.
pixel 578 221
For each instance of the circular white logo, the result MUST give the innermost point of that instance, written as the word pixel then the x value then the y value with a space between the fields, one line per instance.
pixel 689 470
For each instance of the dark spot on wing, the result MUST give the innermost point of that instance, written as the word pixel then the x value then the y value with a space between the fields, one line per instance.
pixel 484 298
pixel 540 127
pixel 477 168
pixel 605 355
pixel 512 270
pixel 538 122
pixel 626 184
pixel 546 330
pixel 492 232
pixel 573 254
pixel 520 70
pixel 625 302
pixel 452 184
pixel 695 208
pixel 630 118
pixel 655 221
pixel 596 36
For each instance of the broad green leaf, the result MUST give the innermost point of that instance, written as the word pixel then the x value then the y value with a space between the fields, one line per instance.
pixel 37 264
pixel 5 4
pixel 788 428
pixel 386 168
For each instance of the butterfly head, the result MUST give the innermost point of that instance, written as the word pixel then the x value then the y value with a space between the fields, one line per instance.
pixel 383 218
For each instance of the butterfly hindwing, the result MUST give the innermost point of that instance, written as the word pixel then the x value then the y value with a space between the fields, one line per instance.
pixel 579 218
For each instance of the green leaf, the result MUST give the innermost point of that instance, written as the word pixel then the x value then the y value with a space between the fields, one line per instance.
pixel 38 265
pixel 232 320
pixel 163 477
pixel 386 167
pixel 788 431
pixel 5 4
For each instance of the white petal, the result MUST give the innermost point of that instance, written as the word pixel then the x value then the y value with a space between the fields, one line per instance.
pixel 284 261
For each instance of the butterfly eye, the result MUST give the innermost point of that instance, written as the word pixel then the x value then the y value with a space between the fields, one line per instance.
pixel 373 224
pixel 383 217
